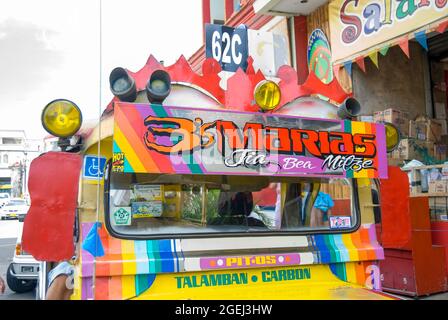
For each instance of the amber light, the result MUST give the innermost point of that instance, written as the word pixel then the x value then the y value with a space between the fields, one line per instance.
pixel 61 118
pixel 393 136
pixel 18 249
pixel 267 95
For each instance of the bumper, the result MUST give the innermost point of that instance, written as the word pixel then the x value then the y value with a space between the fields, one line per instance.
pixel 25 270
pixel 307 282
pixel 9 216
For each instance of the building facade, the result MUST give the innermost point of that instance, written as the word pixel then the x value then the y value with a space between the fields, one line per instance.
pixel 388 54
pixel 16 154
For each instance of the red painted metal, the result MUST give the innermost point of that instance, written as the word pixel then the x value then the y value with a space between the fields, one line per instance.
pixel 205 16
pixel 228 4
pixel 301 44
pixel 439 233
pixel 398 272
pixel 240 89
pixel 53 186
pixel 395 209
pixel 413 265
pixel 429 260
pixel 240 86
pixel 291 89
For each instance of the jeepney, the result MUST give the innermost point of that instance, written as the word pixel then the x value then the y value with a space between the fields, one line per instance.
pixel 263 190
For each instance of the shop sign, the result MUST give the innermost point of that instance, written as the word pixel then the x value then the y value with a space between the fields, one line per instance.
pixel 357 25
pixel 180 140
pixel 229 46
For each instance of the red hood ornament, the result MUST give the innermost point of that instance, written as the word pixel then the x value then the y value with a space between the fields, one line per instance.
pixel 240 86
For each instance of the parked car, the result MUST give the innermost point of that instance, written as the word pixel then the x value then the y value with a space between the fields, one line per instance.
pixel 23 272
pixel 4 198
pixel 14 209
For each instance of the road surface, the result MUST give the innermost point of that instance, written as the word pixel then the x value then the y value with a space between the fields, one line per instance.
pixel 8 236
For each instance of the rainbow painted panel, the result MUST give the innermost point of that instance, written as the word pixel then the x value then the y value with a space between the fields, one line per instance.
pixel 164 139
pixel 132 266
pixel 366 273
pixel 294 282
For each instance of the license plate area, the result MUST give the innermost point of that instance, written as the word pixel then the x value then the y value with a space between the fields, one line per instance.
pixel 27 269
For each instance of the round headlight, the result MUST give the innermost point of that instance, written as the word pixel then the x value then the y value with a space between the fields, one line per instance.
pixel 122 85
pixel 393 136
pixel 158 86
pixel 61 118
pixel 267 95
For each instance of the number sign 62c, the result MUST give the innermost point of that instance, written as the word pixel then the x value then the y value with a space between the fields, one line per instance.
pixel 226 45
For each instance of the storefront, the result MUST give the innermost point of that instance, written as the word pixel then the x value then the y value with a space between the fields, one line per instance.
pixel 393 57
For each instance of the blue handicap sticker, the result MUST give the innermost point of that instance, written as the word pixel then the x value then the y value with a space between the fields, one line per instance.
pixel 92 167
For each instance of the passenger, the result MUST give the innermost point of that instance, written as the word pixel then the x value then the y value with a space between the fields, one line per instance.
pixel 321 210
pixel 60 282
pixel 235 208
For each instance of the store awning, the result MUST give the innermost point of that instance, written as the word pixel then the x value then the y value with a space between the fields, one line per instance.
pixel 287 7
pixel 361 29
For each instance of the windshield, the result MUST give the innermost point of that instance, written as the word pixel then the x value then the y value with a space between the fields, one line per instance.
pixel 16 203
pixel 155 205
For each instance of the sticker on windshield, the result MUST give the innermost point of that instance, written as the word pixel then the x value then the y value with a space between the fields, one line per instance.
pixel 146 209
pixel 148 192
pixel 122 216
pixel 340 222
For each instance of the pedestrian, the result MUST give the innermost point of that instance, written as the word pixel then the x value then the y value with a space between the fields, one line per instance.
pixel 2 285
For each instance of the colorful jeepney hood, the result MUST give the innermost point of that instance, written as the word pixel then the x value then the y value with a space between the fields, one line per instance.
pixel 178 140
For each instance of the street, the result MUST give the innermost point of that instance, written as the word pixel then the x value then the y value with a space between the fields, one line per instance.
pixel 8 236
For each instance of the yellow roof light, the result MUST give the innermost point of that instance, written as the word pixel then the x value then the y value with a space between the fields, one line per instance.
pixel 393 136
pixel 61 118
pixel 267 95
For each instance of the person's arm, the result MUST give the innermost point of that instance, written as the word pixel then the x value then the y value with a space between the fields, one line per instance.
pixel 58 289
pixel 2 285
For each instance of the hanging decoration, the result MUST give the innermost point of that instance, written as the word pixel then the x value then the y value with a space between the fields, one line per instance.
pixel 421 38
pixel 374 57
pixel 384 50
pixel 360 62
pixel 404 45
pixel 442 27
pixel 348 67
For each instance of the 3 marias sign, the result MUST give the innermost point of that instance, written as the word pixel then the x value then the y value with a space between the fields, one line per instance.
pixel 161 139
pixel 357 25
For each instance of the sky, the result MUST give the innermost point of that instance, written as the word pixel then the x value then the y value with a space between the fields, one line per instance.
pixel 50 49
